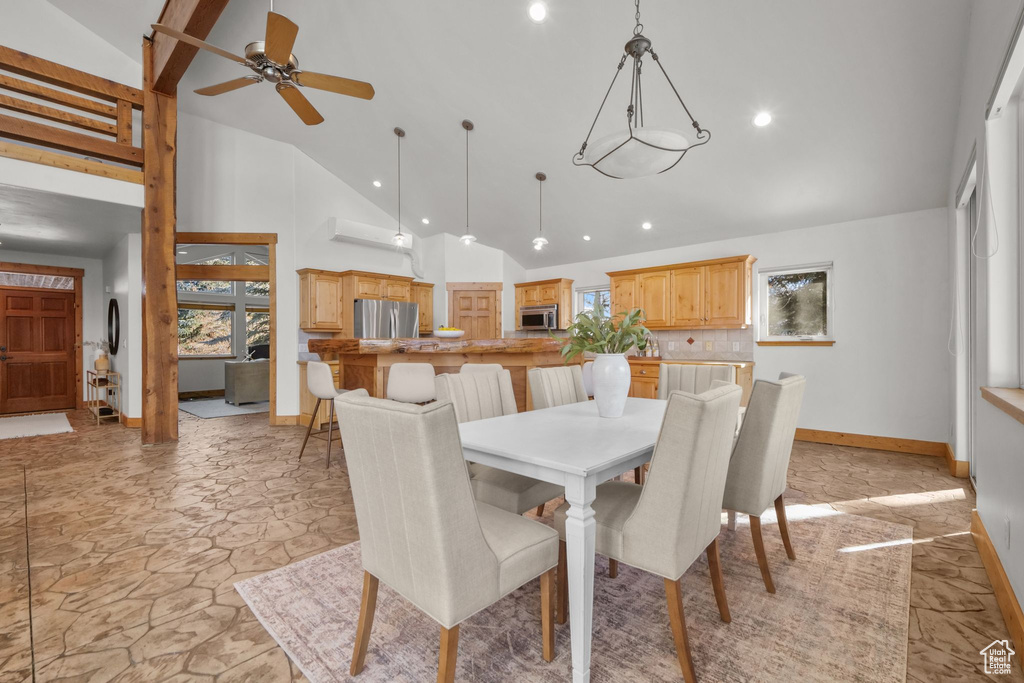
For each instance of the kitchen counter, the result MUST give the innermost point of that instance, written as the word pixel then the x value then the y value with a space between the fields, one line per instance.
pixel 433 345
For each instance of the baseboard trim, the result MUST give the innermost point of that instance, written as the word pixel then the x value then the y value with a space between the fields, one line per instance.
pixel 960 469
pixel 1005 596
pixel 206 393
pixel 878 443
pixel 131 422
pixel 283 420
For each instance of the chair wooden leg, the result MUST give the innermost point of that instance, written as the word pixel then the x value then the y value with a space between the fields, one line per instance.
pixel 366 611
pixel 674 594
pixel 449 654
pixel 638 474
pixel 562 587
pixel 717 583
pixel 613 568
pixel 762 559
pixel 540 510
pixel 780 512
pixel 330 434
pixel 309 429
pixel 547 613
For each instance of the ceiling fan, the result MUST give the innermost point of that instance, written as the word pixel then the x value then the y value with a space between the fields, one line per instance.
pixel 272 61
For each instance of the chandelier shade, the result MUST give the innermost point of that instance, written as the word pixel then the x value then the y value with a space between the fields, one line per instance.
pixel 639 151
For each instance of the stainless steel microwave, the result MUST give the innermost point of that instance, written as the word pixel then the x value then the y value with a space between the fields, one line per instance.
pixel 538 317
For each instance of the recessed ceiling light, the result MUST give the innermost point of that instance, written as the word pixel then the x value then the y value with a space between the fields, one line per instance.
pixel 182 252
pixel 646 226
pixel 426 221
pixel 376 183
pixel 762 119
pixel 586 238
pixel 538 12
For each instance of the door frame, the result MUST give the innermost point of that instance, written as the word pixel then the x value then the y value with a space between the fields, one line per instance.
pixel 495 287
pixel 76 274
pixel 236 273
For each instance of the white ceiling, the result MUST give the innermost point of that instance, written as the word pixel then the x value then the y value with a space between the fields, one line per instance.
pixel 49 223
pixel 864 96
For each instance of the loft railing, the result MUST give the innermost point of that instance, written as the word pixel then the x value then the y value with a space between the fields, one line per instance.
pixel 99 110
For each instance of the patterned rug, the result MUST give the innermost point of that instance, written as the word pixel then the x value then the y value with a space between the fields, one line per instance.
pixel 840 613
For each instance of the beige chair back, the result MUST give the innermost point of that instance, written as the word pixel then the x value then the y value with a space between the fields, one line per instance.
pixel 320 380
pixel 477 395
pixel 419 530
pixel 693 379
pixel 480 367
pixel 551 387
pixel 680 509
pixel 411 382
pixel 760 459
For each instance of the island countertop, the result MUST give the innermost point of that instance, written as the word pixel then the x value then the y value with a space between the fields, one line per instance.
pixel 348 347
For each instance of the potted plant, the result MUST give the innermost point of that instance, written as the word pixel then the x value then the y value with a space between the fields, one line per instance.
pixel 609 342
pixel 102 362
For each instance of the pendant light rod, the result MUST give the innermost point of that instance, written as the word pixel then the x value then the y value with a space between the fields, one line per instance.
pixel 467 238
pixel 539 241
pixel 399 238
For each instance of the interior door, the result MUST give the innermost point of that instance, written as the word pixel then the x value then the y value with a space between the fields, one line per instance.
pixel 37 350
pixel 475 311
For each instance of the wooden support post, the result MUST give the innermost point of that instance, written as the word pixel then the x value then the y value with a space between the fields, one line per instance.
pixel 159 296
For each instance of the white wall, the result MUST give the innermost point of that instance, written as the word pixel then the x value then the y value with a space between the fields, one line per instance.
pixel 998 439
pixel 94 312
pixel 122 280
pixel 887 374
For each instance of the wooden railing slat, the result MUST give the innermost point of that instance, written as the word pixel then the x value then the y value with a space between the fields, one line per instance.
pixel 68 141
pixel 66 161
pixel 45 112
pixel 124 122
pixel 24 64
pixel 67 99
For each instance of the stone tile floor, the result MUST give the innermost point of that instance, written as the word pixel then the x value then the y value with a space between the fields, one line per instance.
pixel 133 550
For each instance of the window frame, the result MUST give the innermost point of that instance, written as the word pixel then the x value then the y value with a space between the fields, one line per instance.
pixel 204 306
pixel 581 291
pixel 828 267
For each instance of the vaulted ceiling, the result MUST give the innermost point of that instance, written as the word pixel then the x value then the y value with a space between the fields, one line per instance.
pixel 864 97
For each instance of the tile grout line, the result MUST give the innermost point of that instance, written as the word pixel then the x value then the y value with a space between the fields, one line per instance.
pixel 28 570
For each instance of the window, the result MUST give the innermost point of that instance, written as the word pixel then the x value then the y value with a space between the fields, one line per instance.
pixel 204 329
pixel 257 326
pixel 257 289
pixel 595 299
pixel 796 304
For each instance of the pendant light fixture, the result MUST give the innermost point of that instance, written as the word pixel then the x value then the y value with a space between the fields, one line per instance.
pixel 468 238
pixel 539 241
pixel 399 238
pixel 638 151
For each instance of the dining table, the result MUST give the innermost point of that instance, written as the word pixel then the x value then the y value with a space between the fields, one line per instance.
pixel 572 446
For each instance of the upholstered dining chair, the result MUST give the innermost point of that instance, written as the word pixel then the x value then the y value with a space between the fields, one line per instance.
pixel 422 533
pixel 664 525
pixel 693 379
pixel 411 382
pixel 550 387
pixel 480 395
pixel 480 367
pixel 760 460
pixel 320 382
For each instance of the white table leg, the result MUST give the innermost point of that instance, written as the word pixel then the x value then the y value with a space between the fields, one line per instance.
pixel 732 520
pixel 580 534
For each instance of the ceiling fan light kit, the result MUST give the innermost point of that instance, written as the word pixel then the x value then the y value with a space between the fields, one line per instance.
pixel 638 151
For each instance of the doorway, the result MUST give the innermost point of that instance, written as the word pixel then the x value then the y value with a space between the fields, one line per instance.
pixel 40 338
pixel 476 308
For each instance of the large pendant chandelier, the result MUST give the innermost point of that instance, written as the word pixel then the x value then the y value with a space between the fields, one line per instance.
pixel 638 151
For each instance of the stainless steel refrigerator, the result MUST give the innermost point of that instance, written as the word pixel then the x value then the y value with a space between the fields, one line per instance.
pixel 376 319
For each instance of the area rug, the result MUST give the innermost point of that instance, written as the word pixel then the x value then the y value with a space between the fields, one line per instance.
pixel 841 612
pixel 34 425
pixel 217 407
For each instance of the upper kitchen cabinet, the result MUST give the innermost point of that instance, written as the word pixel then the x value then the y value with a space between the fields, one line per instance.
pixel 546 293
pixel 714 294
pixel 320 305
pixel 423 294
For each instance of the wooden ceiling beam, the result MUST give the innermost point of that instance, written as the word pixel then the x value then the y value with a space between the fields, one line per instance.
pixel 171 58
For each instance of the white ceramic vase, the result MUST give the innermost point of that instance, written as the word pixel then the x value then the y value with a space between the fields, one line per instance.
pixel 611 383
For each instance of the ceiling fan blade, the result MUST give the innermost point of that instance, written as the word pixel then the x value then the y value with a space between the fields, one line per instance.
pixel 342 86
pixel 186 38
pixel 222 88
pixel 299 104
pixel 281 33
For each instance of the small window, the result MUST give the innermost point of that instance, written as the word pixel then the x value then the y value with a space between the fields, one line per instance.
pixel 594 299
pixel 204 330
pixel 207 286
pixel 796 304
pixel 257 289
pixel 257 326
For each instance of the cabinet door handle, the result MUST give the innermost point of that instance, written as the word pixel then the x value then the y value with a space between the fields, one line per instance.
pixel 642 372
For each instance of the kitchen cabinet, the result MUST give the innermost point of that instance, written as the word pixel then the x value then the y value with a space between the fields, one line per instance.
pixel 712 294
pixel 320 305
pixel 422 293
pixel 644 376
pixel 547 293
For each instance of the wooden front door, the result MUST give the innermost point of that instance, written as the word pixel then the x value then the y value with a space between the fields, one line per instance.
pixel 37 350
pixel 475 311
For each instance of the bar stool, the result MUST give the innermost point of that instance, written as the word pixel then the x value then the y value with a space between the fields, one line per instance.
pixel 320 383
pixel 411 383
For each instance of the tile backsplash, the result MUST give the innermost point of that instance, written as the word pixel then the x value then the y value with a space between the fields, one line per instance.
pixel 735 345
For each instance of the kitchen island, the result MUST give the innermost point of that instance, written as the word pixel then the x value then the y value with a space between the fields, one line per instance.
pixel 365 363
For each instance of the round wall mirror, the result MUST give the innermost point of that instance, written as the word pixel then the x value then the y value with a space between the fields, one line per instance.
pixel 113 326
